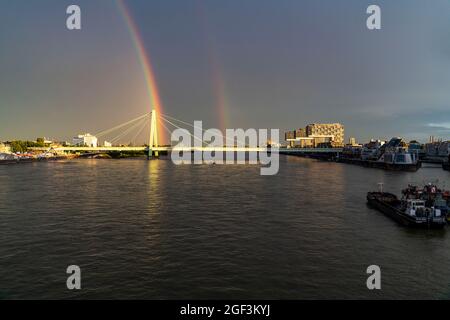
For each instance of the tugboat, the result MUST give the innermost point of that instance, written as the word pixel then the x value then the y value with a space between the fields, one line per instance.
pixel 423 208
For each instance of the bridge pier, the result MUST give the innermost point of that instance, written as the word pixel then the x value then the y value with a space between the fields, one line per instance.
pixel 152 154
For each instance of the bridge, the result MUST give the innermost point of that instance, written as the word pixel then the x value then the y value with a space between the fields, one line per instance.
pixel 191 149
pixel 153 148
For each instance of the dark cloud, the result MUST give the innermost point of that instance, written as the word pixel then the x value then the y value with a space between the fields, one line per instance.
pixel 283 64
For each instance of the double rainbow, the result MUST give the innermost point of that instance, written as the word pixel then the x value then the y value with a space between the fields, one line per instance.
pixel 218 83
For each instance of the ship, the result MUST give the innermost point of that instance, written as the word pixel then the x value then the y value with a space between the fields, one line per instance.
pixel 426 207
pixel 393 155
pixel 8 158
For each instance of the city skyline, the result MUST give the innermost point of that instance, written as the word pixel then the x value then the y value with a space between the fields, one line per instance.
pixel 231 64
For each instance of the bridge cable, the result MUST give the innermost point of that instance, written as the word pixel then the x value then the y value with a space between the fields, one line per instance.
pixel 165 127
pixel 144 124
pixel 127 131
pixel 104 132
pixel 184 129
pixel 193 126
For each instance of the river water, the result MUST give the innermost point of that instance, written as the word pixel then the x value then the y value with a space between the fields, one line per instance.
pixel 153 230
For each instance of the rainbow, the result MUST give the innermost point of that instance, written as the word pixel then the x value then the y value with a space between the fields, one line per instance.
pixel 216 71
pixel 145 62
pixel 219 91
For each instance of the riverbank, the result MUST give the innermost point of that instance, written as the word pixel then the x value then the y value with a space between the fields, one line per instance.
pixel 30 160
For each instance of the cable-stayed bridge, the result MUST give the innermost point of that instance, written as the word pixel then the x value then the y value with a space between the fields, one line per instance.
pixel 147 125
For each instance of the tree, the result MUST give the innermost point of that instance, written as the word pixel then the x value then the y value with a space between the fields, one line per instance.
pixel 18 146
pixel 22 146
pixel 40 142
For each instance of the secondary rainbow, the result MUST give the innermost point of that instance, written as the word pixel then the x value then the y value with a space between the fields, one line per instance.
pixel 218 82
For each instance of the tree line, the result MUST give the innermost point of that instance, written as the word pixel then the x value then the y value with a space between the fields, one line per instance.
pixel 22 146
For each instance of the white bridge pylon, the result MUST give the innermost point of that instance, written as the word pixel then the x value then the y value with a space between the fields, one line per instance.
pixel 153 139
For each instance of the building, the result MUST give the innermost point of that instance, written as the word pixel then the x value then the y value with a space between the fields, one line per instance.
pixel 352 142
pixel 437 148
pixel 326 133
pixel 444 149
pixel 4 148
pixel 317 135
pixel 298 139
pixel 85 140
pixel 300 133
pixel 289 135
pixel 431 148
pixel 352 150
pixel 433 139
pixel 107 144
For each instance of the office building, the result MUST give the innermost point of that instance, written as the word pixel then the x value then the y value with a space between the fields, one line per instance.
pixel 85 140
pixel 317 135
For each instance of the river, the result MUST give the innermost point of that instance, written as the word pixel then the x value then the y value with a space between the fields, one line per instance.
pixel 154 230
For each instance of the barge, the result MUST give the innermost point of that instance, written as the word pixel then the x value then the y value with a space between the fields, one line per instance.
pixel 422 208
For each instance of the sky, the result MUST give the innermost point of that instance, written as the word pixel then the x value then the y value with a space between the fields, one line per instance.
pixel 232 64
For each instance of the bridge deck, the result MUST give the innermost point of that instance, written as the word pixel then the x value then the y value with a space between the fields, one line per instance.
pixel 186 149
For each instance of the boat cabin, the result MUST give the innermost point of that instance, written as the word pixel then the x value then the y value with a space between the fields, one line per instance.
pixel 415 207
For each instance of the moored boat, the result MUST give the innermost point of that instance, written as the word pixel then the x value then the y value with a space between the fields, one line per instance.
pixel 423 208
pixel 8 158
pixel 394 155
